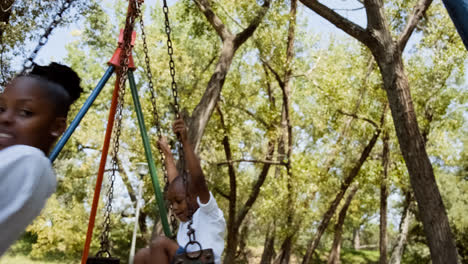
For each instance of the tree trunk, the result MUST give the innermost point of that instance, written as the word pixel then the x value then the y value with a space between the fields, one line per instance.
pixel 286 246
pixel 242 255
pixel 142 223
pixel 383 200
pixel 388 55
pixel 356 239
pixel 284 154
pixel 269 245
pixel 430 204
pixel 403 235
pixel 232 227
pixel 332 208
pixel 334 257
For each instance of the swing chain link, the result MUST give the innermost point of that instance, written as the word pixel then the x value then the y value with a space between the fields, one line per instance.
pixel 124 62
pixel 4 10
pixel 156 119
pixel 170 51
pixel 175 95
pixel 149 75
pixel 2 66
pixel 29 62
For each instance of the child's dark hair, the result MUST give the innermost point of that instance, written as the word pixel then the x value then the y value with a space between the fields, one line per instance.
pixel 61 83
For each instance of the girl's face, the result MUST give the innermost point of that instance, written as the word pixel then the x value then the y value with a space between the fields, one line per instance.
pixel 27 117
pixel 176 196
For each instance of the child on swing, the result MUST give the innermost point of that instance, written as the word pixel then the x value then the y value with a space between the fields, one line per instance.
pixel 194 201
pixel 33 114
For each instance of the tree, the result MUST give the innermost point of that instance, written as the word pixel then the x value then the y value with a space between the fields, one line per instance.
pixel 383 200
pixel 388 55
pixel 230 44
pixel 346 183
pixel 334 257
pixel 285 139
pixel 236 218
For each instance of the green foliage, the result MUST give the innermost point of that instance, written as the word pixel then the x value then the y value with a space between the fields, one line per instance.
pixel 329 83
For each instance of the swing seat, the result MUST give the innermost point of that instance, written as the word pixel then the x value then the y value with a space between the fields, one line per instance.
pixel 102 260
pixel 204 256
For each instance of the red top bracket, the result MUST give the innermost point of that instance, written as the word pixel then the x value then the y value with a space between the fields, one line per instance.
pixel 115 60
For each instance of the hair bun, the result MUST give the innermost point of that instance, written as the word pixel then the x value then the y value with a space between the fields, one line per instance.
pixel 62 75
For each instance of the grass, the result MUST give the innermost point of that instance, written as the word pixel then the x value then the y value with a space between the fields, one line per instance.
pixel 23 260
pixel 350 256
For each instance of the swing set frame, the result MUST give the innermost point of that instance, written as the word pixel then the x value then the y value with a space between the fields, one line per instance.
pixel 120 63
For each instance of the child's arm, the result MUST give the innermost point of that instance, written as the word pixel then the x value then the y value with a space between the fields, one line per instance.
pixel 168 159
pixel 197 182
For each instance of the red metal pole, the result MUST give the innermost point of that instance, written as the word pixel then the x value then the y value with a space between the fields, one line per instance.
pixel 102 166
pixel 115 60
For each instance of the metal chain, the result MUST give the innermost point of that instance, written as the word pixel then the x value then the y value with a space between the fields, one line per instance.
pixel 8 8
pixel 124 61
pixel 156 121
pixel 175 95
pixel 2 66
pixel 170 51
pixel 191 230
pixel 29 62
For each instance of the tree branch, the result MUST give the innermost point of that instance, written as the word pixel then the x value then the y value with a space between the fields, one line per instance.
pixel 251 161
pixel 361 118
pixel 231 171
pixel 124 176
pixel 348 9
pixel 246 33
pixel 275 73
pixel 221 192
pixel 418 12
pixel 253 115
pixel 213 19
pixel 258 184
pixel 195 84
pixel 339 21
pixel 375 15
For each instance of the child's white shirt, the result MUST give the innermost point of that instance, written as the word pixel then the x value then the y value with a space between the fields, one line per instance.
pixel 26 182
pixel 209 225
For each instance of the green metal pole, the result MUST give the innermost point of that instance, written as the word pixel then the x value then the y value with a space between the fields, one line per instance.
pixel 149 156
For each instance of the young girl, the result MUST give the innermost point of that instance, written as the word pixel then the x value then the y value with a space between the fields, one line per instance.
pixel 33 114
pixel 193 200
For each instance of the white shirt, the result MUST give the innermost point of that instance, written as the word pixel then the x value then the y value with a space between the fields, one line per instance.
pixel 26 181
pixel 209 225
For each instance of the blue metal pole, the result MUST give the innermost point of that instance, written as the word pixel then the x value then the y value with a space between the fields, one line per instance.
pixel 458 11
pixel 74 124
